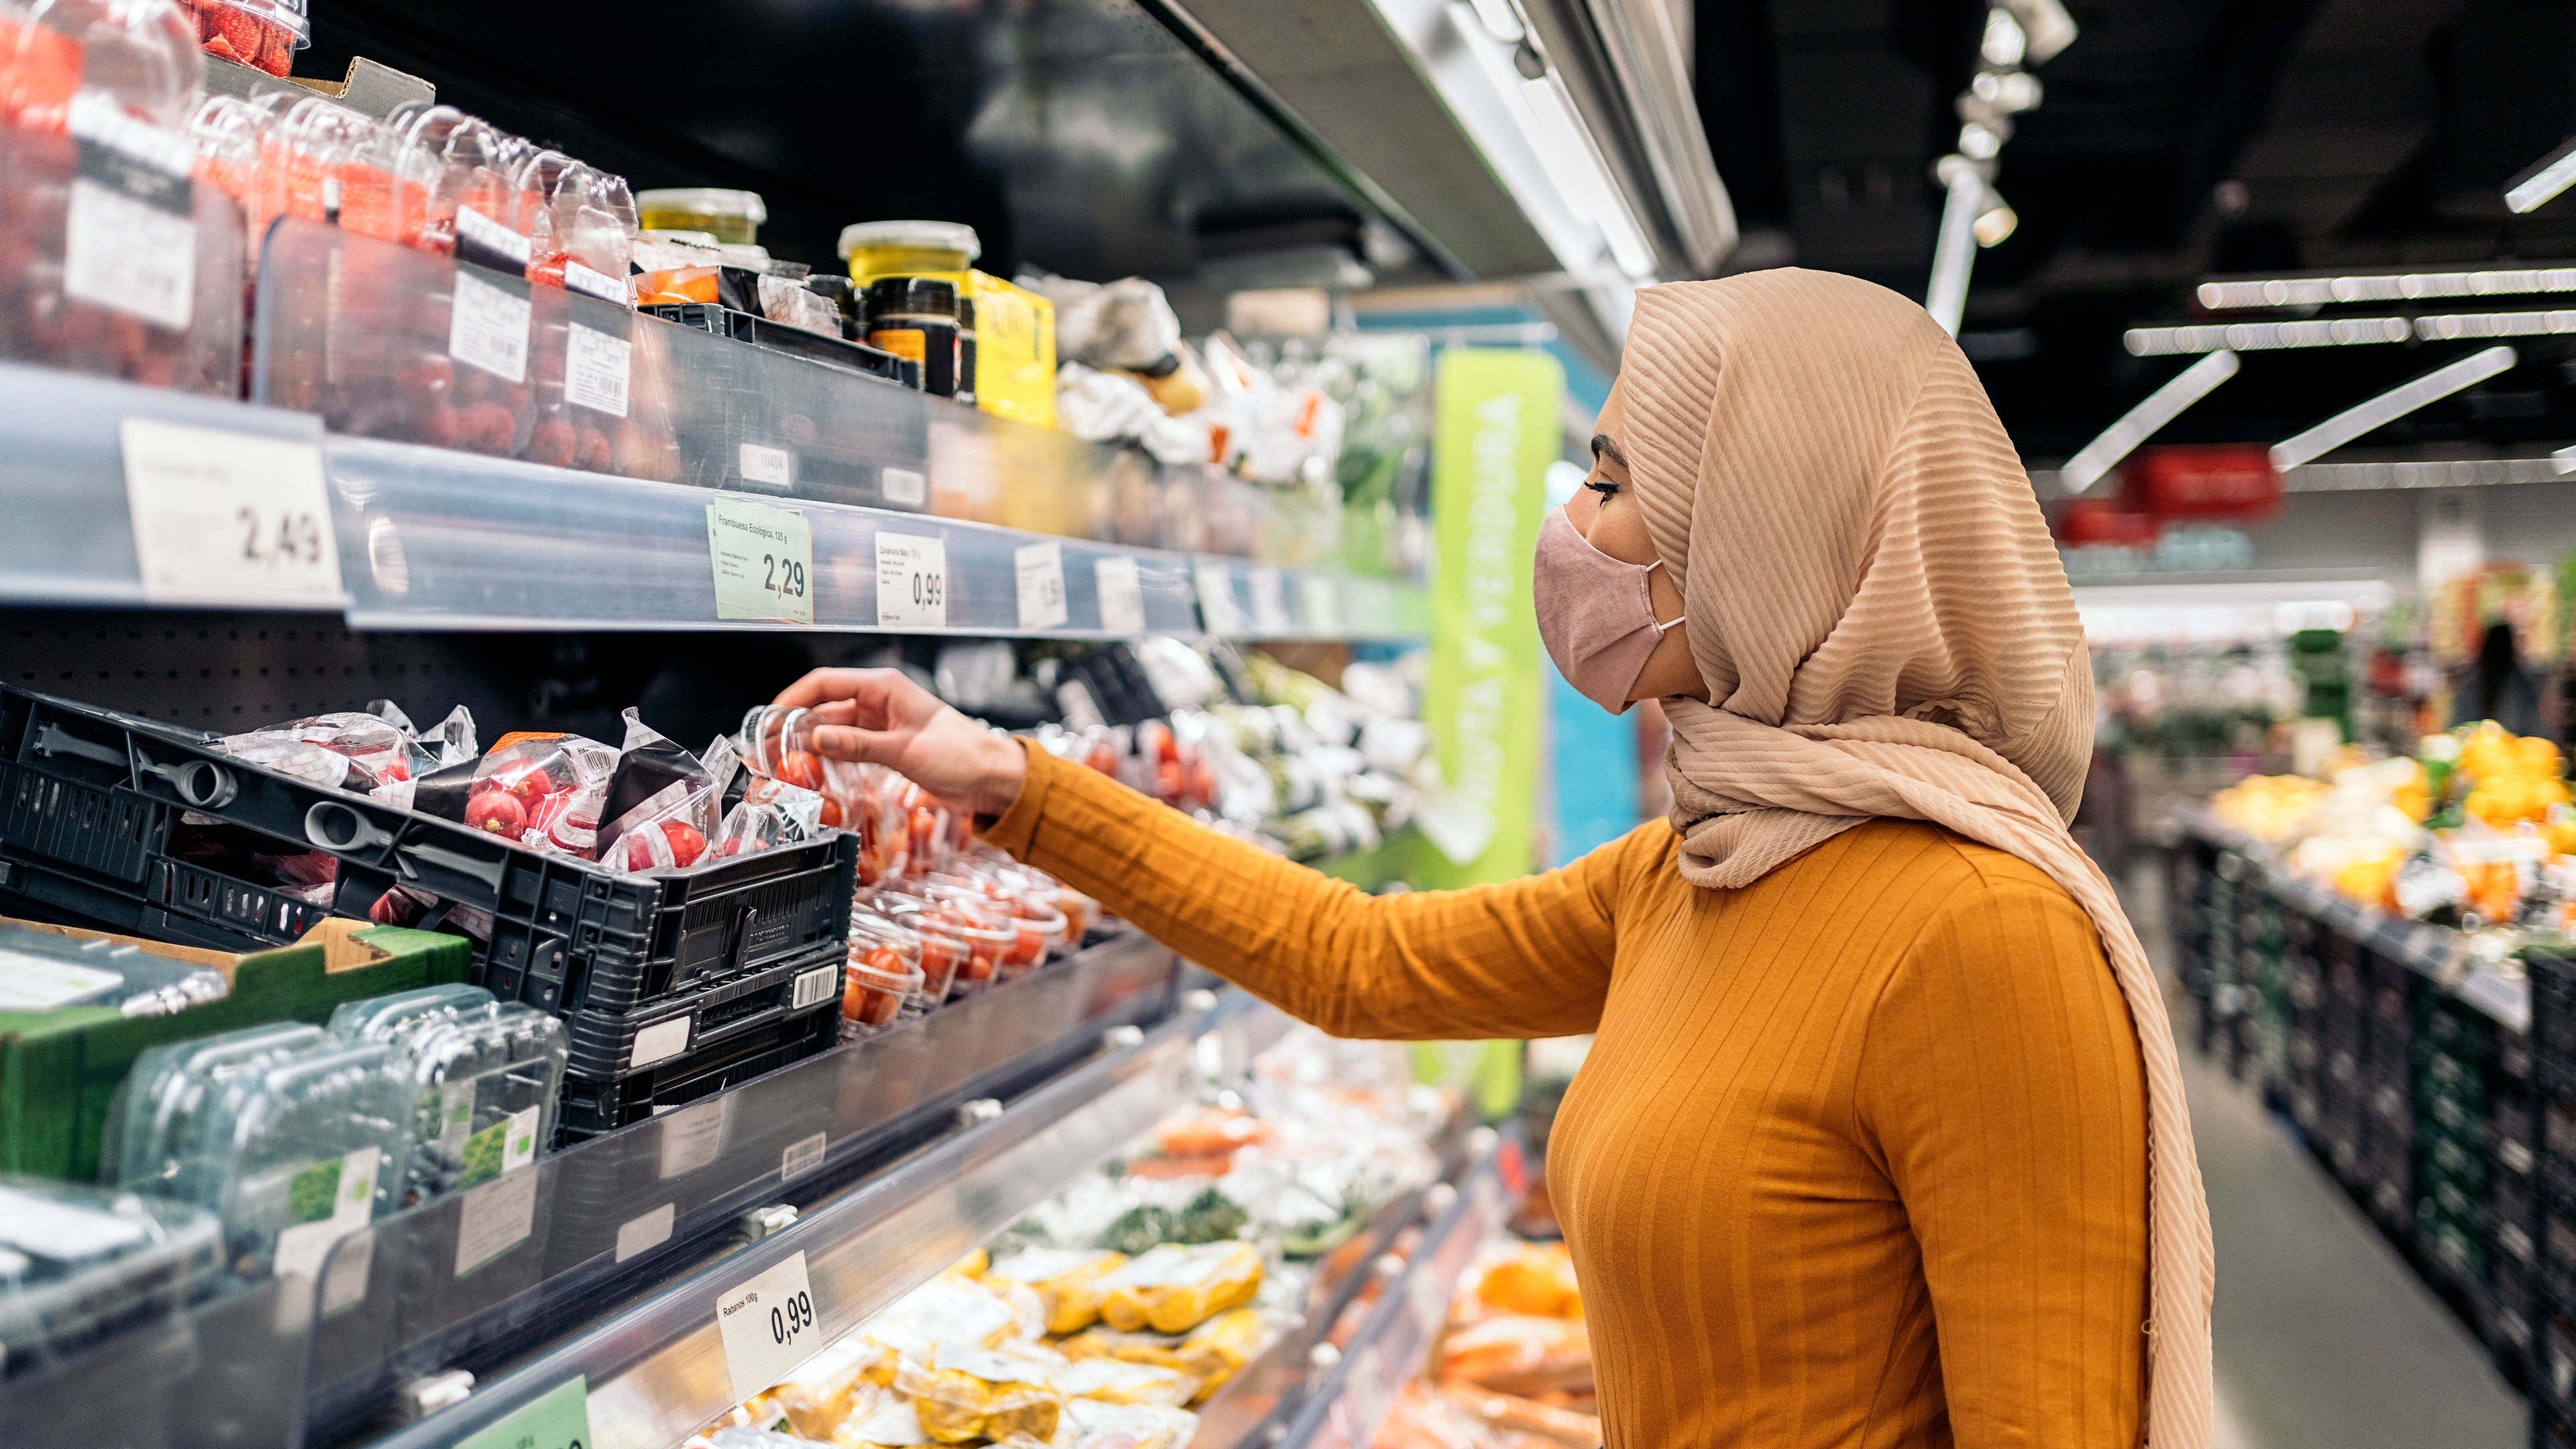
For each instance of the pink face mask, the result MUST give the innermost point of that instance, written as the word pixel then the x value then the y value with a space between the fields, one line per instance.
pixel 1594 613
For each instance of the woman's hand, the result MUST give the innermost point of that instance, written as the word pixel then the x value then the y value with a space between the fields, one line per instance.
pixel 880 717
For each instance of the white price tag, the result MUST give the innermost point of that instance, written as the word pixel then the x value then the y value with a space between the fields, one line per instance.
pixel 225 518
pixel 488 327
pixel 693 1136
pixel 659 1042
pixel 763 559
pixel 129 255
pixel 769 1326
pixel 1323 604
pixel 773 466
pixel 1218 613
pixel 912 580
pixel 1041 570
pixel 1269 602
pixel 904 487
pixel 596 369
pixel 645 1233
pixel 496 1217
pixel 1122 595
pixel 801 1157
pixel 578 278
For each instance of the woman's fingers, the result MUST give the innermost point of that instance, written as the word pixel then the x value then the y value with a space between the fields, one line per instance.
pixel 866 687
pixel 866 747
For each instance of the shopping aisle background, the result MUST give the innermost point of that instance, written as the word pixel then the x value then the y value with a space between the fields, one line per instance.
pixel 2325 1339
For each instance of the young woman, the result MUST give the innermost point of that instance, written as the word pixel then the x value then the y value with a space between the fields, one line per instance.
pixel 1881 1141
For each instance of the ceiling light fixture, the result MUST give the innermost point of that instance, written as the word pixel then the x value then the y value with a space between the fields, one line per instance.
pixel 1972 216
pixel 2264 336
pixel 2389 406
pixel 2046 28
pixel 2548 176
pixel 2144 421
pixel 2004 42
pixel 2006 90
pixel 2383 287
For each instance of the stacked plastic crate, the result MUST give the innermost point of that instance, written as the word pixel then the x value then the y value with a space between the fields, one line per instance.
pixel 2551 1125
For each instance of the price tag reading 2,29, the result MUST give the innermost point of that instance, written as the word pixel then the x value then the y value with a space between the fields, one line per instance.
pixel 763 559
pixel 912 580
pixel 769 1327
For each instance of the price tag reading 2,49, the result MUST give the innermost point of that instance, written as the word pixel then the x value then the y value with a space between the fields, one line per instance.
pixel 912 580
pixel 769 1327
pixel 227 518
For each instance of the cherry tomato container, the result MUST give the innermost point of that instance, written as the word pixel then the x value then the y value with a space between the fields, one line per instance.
pixel 877 939
pixel 875 992
pixel 261 34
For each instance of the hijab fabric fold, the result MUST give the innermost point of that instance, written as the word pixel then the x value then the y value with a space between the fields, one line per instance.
pixel 1886 632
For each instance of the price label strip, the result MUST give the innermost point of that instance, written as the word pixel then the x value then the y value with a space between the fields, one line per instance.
pixel 1269 603
pixel 763 559
pixel 769 1327
pixel 1122 595
pixel 912 581
pixel 1040 567
pixel 1218 613
pixel 227 518
pixel 560 1420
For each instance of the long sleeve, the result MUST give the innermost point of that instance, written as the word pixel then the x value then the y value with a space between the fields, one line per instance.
pixel 2002 1088
pixel 1527 958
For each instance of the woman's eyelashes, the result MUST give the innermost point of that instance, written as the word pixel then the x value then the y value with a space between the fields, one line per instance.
pixel 1603 486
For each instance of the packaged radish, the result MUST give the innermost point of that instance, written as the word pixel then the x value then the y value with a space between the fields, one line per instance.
pixel 371 754
pixel 544 791
pixel 659 785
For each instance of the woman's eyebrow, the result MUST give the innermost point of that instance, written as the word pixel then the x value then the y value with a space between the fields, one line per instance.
pixel 1603 447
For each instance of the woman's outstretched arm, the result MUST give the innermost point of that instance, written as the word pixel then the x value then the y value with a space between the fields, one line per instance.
pixel 1527 958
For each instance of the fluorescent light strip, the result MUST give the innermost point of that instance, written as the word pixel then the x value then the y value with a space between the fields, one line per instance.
pixel 2494 324
pixel 2389 406
pixel 2551 176
pixel 2386 287
pixel 2264 336
pixel 2384 477
pixel 1954 248
pixel 2143 421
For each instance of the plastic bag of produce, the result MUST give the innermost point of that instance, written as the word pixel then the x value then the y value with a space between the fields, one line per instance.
pixel 1518 1354
pixel 1066 1280
pixel 1116 1381
pixel 966 1394
pixel 1175 1288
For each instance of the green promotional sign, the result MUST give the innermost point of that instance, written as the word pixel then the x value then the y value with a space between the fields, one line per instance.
pixel 560 1420
pixel 1498 429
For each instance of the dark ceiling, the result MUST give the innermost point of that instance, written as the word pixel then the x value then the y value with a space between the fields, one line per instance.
pixel 2179 139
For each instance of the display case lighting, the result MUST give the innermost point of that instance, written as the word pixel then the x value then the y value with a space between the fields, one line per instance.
pixel 1979 142
pixel 2389 406
pixel 2264 336
pixel 2004 42
pixel 2006 90
pixel 2383 287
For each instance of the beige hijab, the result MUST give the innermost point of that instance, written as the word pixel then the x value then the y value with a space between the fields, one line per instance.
pixel 1884 626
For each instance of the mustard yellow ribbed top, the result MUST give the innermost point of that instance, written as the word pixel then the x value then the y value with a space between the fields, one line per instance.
pixel 1858 1155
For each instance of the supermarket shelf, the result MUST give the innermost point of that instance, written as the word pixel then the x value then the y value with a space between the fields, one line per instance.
pixel 655 1366
pixel 431 539
pixel 2445 957
pixel 1349 1403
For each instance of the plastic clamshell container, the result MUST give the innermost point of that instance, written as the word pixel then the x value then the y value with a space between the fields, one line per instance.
pixel 77 1262
pixel 304 1149
pixel 488 1078
pixel 877 996
pixel 871 933
pixel 728 216
pixel 262 34
pixel 383 1018
pixel 43 971
pixel 168 1088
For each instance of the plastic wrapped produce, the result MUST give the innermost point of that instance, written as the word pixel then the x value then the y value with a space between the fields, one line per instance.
pixel 1175 1288
pixel 383 1018
pixel 487 1079
pixel 1096 1425
pixel 966 1394
pixel 1219 1348
pixel 77 1262
pixel 1519 1354
pixel 878 989
pixel 296 1154
pixel 1116 1381
pixel 154 1119
pixel 950 1309
pixel 42 970
pixel 663 797
pixel 1067 1281
pixel 887 945
pixel 261 34
pixel 895 1425
pixel 365 754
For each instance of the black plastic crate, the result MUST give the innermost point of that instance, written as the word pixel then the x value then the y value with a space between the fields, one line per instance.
pixel 593 1107
pixel 606 1046
pixel 91 801
pixel 2553 1006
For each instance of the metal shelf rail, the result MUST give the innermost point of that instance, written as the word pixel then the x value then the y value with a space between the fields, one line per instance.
pixel 430 538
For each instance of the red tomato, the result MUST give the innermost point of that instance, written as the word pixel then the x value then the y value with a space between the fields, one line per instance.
pixel 497 811
pixel 525 779
pixel 686 843
pixel 798 768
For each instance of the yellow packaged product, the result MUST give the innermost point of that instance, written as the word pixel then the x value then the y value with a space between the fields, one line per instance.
pixel 888 1345
pixel 966 1394
pixel 832 1387
pixel 973 1265
pixel 891 1425
pixel 1177 1287
pixel 1095 1425
pixel 1014 327
pixel 1161 1349
pixel 1533 1278
pixel 956 1310
pixel 1117 1381
pixel 1217 1349
pixel 1066 1280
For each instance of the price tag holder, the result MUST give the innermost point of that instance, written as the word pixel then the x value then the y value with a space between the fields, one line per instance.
pixel 560 1420
pixel 228 518
pixel 769 1327
pixel 1040 567
pixel 1322 602
pixel 1218 613
pixel 1122 595
pixel 763 559
pixel 1269 603
pixel 912 581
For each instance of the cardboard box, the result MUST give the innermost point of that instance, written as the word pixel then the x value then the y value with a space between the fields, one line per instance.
pixel 60 1069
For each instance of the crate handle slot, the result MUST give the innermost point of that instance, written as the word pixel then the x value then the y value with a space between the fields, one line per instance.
pixel 53 739
pixel 201 783
pixel 334 826
pixel 743 917
pixel 487 871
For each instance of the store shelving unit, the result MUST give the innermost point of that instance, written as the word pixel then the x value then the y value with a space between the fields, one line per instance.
pixel 432 539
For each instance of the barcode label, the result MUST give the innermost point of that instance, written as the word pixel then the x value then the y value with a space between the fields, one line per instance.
pixel 814 988
pixel 801 1157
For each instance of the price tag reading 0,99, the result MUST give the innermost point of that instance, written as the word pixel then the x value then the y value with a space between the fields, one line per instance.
pixel 769 1326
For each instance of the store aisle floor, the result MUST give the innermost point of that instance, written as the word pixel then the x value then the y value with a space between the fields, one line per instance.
pixel 2325 1339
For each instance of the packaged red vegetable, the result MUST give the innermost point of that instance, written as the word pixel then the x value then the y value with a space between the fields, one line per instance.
pixel 873 935
pixel 544 791
pixel 365 754
pixel 877 990
pixel 262 34
pixel 657 783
